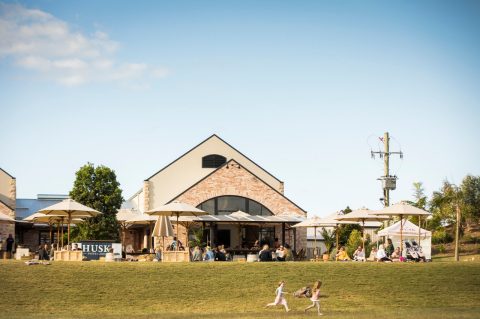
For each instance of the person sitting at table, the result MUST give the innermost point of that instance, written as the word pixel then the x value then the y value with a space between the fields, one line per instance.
pixel 381 255
pixel 396 254
pixel 220 254
pixel 373 255
pixel 280 252
pixel 209 255
pixel 197 254
pixel 389 249
pixel 175 242
pixel 342 255
pixel 256 245
pixel 359 254
pixel 43 252
pixel 265 254
pixel 287 253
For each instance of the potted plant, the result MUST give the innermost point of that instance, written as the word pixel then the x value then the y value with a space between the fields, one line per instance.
pixel 329 241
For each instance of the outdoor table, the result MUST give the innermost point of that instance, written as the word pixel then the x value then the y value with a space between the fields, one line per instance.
pixel 176 256
pixel 252 257
pixel 68 255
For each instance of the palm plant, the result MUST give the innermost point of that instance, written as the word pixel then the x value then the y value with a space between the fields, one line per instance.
pixel 328 239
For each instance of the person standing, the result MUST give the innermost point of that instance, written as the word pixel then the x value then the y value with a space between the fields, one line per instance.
pixel 279 297
pixel 10 243
pixel 315 298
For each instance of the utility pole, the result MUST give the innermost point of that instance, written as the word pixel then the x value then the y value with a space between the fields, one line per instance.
pixel 389 182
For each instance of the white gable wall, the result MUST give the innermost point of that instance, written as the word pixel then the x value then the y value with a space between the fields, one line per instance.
pixel 188 170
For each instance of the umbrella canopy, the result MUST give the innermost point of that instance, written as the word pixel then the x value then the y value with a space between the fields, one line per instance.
pixel 362 215
pixel 141 219
pixel 163 227
pixel 402 209
pixel 176 209
pixel 5 218
pixel 50 219
pixel 124 215
pixel 408 229
pixel 70 208
pixel 314 222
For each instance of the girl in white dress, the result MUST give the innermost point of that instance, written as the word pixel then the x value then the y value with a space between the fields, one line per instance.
pixel 279 297
pixel 315 297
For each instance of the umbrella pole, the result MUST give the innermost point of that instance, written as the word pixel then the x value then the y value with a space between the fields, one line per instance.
pixel 62 232
pixel 58 235
pixel 315 237
pixel 177 235
pixel 68 229
pixel 419 223
pixel 363 235
pixel 51 225
pixel 336 233
pixel 401 235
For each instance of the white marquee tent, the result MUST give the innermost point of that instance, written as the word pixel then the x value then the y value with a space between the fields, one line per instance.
pixel 410 232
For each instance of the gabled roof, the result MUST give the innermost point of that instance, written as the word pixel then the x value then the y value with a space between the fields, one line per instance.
pixel 1 169
pixel 246 169
pixel 210 137
pixel 8 206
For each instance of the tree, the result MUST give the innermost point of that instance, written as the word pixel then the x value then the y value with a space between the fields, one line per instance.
pixel 420 200
pixel 328 239
pixel 345 229
pixel 470 189
pixel 98 188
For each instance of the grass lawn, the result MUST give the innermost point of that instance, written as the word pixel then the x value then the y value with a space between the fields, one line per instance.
pixel 237 290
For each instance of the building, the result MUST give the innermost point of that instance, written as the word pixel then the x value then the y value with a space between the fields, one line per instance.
pixel 31 235
pixel 8 194
pixel 219 179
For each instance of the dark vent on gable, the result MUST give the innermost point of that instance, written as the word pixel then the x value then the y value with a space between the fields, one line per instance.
pixel 213 161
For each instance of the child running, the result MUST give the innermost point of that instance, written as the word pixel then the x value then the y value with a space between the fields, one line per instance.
pixel 279 299
pixel 315 297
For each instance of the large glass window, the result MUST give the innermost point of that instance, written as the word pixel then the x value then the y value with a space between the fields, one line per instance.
pixel 225 205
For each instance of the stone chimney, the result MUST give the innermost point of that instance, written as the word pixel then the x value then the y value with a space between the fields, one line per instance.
pixel 146 196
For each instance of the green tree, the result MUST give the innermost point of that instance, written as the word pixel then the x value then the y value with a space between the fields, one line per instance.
pixel 420 200
pixel 98 188
pixel 354 240
pixel 470 189
pixel 328 239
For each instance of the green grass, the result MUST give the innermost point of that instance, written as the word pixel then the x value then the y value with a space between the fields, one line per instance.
pixel 237 290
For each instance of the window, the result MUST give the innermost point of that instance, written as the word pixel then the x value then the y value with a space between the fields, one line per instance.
pixel 213 161
pixel 225 205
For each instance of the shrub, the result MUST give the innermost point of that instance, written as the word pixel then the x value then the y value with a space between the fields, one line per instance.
pixel 354 241
pixel 441 236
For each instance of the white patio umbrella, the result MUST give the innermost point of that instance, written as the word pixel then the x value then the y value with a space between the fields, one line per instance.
pixel 176 209
pixel 143 219
pixel 123 215
pixel 314 222
pixel 69 208
pixel 51 220
pixel 163 228
pixel 402 209
pixel 331 221
pixel 362 215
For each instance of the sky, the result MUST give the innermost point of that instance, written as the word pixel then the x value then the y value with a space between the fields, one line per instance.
pixel 304 88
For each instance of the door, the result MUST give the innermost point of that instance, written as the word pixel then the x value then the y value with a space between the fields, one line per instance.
pixel 223 237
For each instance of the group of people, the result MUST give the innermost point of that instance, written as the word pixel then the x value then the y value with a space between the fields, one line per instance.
pixel 385 253
pixel 281 300
pixel 217 254
pixel 281 253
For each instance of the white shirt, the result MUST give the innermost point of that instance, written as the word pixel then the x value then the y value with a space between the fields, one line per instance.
pixel 381 253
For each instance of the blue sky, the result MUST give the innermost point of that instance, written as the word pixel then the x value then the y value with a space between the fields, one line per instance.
pixel 304 88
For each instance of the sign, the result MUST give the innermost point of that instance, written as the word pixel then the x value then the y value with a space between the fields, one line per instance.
pixel 94 249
